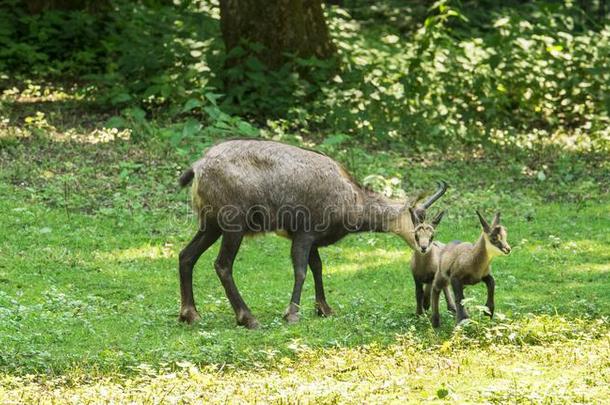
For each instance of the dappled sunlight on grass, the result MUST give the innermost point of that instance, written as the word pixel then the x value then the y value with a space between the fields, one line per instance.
pixel 371 374
pixel 592 268
pixel 358 260
pixel 134 253
pixel 40 92
pixel 572 246
pixel 54 113
pixel 37 123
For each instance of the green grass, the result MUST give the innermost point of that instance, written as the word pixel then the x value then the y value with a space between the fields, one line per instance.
pixel 88 277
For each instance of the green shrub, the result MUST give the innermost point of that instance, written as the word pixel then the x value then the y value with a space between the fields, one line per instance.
pixel 509 73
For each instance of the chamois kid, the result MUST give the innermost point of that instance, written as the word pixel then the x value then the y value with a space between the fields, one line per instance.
pixel 463 263
pixel 425 259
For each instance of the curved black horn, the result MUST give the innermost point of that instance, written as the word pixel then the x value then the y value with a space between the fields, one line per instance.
pixel 442 187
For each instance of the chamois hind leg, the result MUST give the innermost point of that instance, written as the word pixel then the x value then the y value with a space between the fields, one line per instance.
pixel 458 292
pixel 439 283
pixel 188 257
pixel 301 247
pixel 490 283
pixel 449 300
pixel 224 268
pixel 315 263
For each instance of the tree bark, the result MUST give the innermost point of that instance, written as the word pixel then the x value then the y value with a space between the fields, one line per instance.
pixel 280 26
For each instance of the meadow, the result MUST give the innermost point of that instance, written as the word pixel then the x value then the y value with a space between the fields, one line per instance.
pixel 90 297
pixel 102 110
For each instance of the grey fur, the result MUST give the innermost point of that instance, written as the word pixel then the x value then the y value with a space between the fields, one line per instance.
pixel 277 177
pixel 251 186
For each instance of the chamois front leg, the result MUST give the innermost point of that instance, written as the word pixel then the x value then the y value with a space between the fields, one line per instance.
pixel 438 284
pixel 490 283
pixel 315 263
pixel 301 247
pixel 436 316
pixel 427 292
pixel 458 292
pixel 419 297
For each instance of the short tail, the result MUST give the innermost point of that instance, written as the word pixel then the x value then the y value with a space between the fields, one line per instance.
pixel 186 177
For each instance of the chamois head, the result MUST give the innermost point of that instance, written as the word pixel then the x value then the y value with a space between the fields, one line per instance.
pixel 404 225
pixel 495 234
pixel 424 231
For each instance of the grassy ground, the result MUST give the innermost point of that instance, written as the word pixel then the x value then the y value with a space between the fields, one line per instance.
pixel 89 290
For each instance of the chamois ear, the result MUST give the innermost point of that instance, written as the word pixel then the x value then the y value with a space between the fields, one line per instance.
pixel 496 220
pixel 484 223
pixel 437 219
pixel 414 217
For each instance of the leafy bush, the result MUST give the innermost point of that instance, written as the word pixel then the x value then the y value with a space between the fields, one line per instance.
pixel 52 42
pixel 514 74
pixel 524 70
pixel 134 53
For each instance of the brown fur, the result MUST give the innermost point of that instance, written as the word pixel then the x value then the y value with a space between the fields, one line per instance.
pixel 463 263
pixel 425 259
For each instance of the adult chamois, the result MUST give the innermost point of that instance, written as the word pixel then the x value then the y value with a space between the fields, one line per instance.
pixel 243 187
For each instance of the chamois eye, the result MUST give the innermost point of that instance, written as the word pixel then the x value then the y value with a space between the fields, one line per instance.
pixel 417 238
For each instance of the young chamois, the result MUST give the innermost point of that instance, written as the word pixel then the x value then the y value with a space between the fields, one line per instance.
pixel 425 259
pixel 243 187
pixel 463 263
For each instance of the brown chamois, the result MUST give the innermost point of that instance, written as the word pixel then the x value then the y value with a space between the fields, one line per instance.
pixel 463 263
pixel 243 187
pixel 425 259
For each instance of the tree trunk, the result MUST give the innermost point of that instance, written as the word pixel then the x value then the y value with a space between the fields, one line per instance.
pixel 280 26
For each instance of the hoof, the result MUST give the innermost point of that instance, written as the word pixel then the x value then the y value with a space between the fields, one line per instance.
pixel 436 321
pixel 249 323
pixel 291 317
pixel 452 309
pixel 322 309
pixel 292 313
pixel 189 315
pixel 246 319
